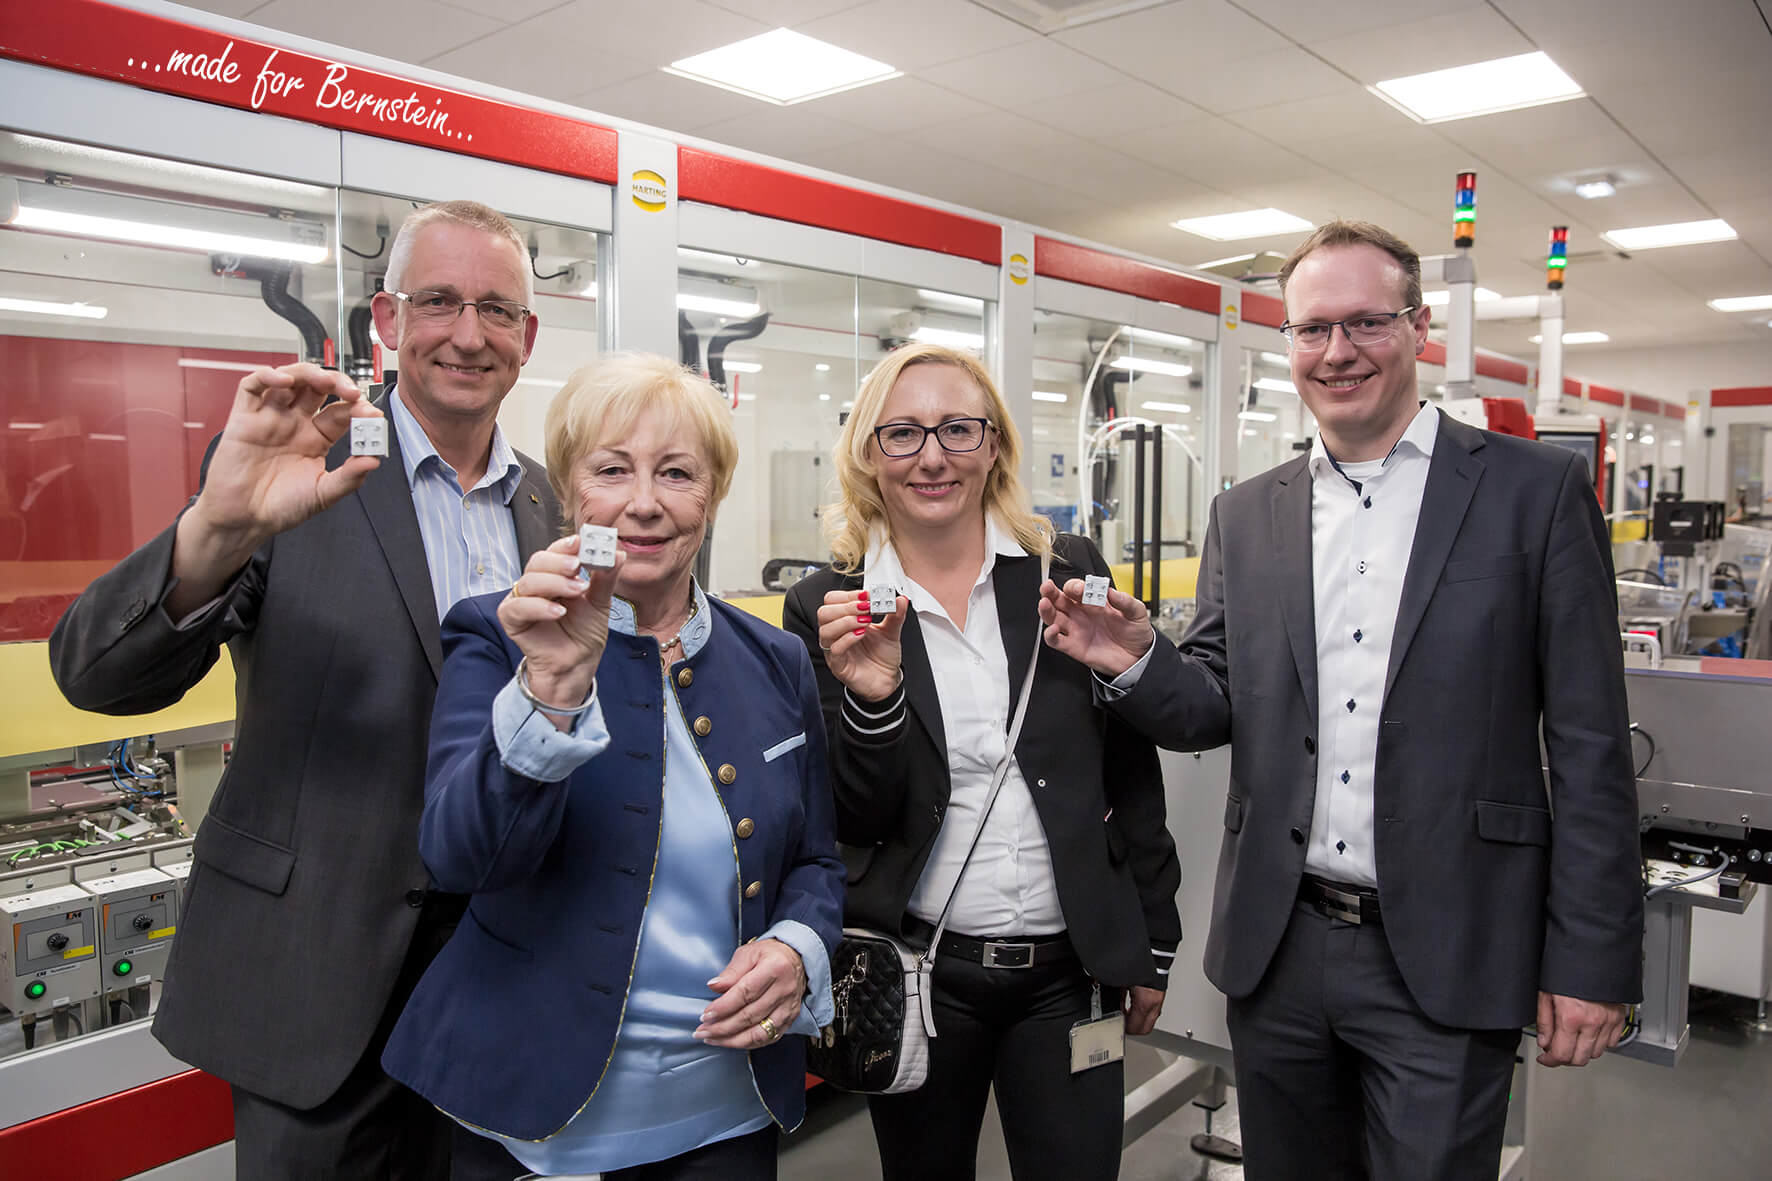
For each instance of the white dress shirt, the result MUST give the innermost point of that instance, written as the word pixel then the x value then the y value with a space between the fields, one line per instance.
pixel 1363 518
pixel 1008 887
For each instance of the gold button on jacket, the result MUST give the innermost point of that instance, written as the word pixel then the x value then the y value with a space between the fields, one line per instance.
pixel 754 889
pixel 703 725
pixel 745 828
pixel 728 773
pixel 685 677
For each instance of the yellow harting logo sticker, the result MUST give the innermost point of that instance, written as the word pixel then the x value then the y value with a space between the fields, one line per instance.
pixel 1231 312
pixel 650 191
pixel 1018 269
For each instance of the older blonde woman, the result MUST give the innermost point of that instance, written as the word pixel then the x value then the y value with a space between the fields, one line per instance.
pixel 1073 883
pixel 629 778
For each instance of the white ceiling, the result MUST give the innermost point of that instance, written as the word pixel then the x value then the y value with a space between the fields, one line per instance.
pixel 1110 128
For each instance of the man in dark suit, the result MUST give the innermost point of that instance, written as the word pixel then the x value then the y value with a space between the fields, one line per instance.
pixel 310 914
pixel 1384 629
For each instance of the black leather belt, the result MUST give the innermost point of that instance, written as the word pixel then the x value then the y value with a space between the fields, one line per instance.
pixel 1025 952
pixel 1338 900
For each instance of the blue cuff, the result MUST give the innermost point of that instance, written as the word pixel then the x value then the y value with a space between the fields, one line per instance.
pixel 818 1010
pixel 1123 684
pixel 529 744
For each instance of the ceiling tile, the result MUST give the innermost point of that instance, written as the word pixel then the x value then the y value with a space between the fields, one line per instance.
pixel 1024 73
pixel 779 13
pixel 234 8
pixel 1311 20
pixel 898 105
pixel 403 30
pixel 911 34
pixel 1174 37
pixel 1475 33
pixel 1354 111
pixel 656 33
pixel 668 102
pixel 788 132
pixel 1214 153
pixel 1125 106
pixel 503 11
pixel 552 66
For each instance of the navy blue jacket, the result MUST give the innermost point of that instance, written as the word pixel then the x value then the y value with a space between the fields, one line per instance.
pixel 513 1024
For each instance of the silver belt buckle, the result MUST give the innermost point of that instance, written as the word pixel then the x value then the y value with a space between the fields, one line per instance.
pixel 1021 955
pixel 1342 905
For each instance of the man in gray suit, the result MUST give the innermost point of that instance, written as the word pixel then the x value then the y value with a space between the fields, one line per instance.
pixel 1384 629
pixel 310 915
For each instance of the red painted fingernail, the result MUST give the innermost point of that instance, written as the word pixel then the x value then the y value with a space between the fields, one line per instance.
pixel 861 631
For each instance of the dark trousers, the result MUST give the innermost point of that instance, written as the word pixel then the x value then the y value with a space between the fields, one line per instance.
pixel 750 1157
pixel 1009 1027
pixel 371 1128
pixel 1341 1076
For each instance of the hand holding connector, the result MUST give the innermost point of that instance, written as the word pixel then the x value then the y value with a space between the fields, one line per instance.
pixel 863 654
pixel 1109 636
pixel 558 614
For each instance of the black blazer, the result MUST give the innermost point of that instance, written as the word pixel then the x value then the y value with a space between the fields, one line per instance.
pixel 1096 784
pixel 307 880
pixel 1507 623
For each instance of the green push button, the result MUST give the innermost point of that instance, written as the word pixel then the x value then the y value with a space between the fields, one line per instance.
pixel 122 968
pixel 35 989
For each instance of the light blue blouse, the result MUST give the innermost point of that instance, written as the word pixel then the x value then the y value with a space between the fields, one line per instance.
pixel 664 1093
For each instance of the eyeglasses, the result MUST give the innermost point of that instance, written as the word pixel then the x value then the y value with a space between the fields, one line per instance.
pixel 441 307
pixel 956 436
pixel 1369 329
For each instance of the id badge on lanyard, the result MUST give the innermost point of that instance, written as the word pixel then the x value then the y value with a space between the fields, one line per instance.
pixel 1099 1040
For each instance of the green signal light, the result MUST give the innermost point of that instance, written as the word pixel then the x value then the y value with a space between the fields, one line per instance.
pixel 123 967
pixel 35 989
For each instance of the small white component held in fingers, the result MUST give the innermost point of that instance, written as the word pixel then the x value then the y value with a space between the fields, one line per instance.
pixel 1095 589
pixel 369 436
pixel 882 599
pixel 596 547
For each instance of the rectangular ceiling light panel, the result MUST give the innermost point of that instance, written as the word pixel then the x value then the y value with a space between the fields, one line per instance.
pixel 1481 88
pixel 782 67
pixel 1742 303
pixel 1684 233
pixel 1251 223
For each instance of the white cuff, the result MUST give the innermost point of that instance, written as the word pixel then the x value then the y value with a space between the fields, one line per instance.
pixel 531 746
pixel 818 1010
pixel 1106 690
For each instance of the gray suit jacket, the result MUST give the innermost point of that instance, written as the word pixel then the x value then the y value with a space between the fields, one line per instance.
pixel 1490 889
pixel 307 883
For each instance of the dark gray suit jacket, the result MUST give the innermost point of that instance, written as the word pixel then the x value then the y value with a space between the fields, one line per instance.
pixel 301 903
pixel 1507 622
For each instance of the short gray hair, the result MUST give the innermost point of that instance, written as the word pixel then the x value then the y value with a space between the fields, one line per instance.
pixel 467 213
pixel 1345 232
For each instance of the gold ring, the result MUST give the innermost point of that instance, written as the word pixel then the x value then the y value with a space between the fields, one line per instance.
pixel 769 1029
pixel 515 593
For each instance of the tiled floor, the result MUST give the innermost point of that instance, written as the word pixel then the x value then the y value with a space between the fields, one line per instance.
pixel 1617 1120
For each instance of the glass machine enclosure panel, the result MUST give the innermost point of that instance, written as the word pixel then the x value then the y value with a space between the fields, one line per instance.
pixel 1095 383
pixel 1273 423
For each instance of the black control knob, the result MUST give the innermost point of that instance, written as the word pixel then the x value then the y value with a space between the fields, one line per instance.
pixel 56 941
pixel 142 922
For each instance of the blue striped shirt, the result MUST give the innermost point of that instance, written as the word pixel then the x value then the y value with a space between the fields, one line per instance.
pixel 470 540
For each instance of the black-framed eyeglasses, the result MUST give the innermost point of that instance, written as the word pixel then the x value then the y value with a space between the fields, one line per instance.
pixel 956 435
pixel 444 307
pixel 1368 329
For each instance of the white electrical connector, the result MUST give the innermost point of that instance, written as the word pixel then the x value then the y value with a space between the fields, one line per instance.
pixel 596 547
pixel 1095 589
pixel 369 436
pixel 882 599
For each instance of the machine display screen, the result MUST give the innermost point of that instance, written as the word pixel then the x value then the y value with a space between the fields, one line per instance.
pixel 1585 444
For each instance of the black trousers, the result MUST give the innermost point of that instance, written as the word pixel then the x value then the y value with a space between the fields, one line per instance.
pixel 1342 1077
pixel 1007 1027
pixel 371 1128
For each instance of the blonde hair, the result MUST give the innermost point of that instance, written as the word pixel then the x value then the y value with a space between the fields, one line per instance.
pixel 466 213
pixel 849 522
pixel 602 401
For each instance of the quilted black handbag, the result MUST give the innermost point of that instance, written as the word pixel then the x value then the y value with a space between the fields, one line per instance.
pixel 879 1043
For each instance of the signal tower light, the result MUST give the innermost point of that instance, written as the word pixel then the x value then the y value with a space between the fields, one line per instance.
pixel 1559 257
pixel 1464 211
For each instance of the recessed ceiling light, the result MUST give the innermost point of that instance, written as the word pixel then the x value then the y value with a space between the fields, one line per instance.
pixel 1257 416
pixel 1276 385
pixel 782 67
pixel 1578 338
pixel 1049 396
pixel 1593 190
pixel 1170 407
pixel 824 397
pixel 822 367
pixel 42 307
pixel 1482 88
pixel 952 338
pixel 1147 365
pixel 1165 339
pixel 1251 223
pixel 1685 233
pixel 1742 303
pixel 1440 299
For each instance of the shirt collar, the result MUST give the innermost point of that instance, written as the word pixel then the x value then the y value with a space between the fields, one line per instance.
pixel 416 450
pixel 1418 437
pixel 696 630
pixel 882 563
